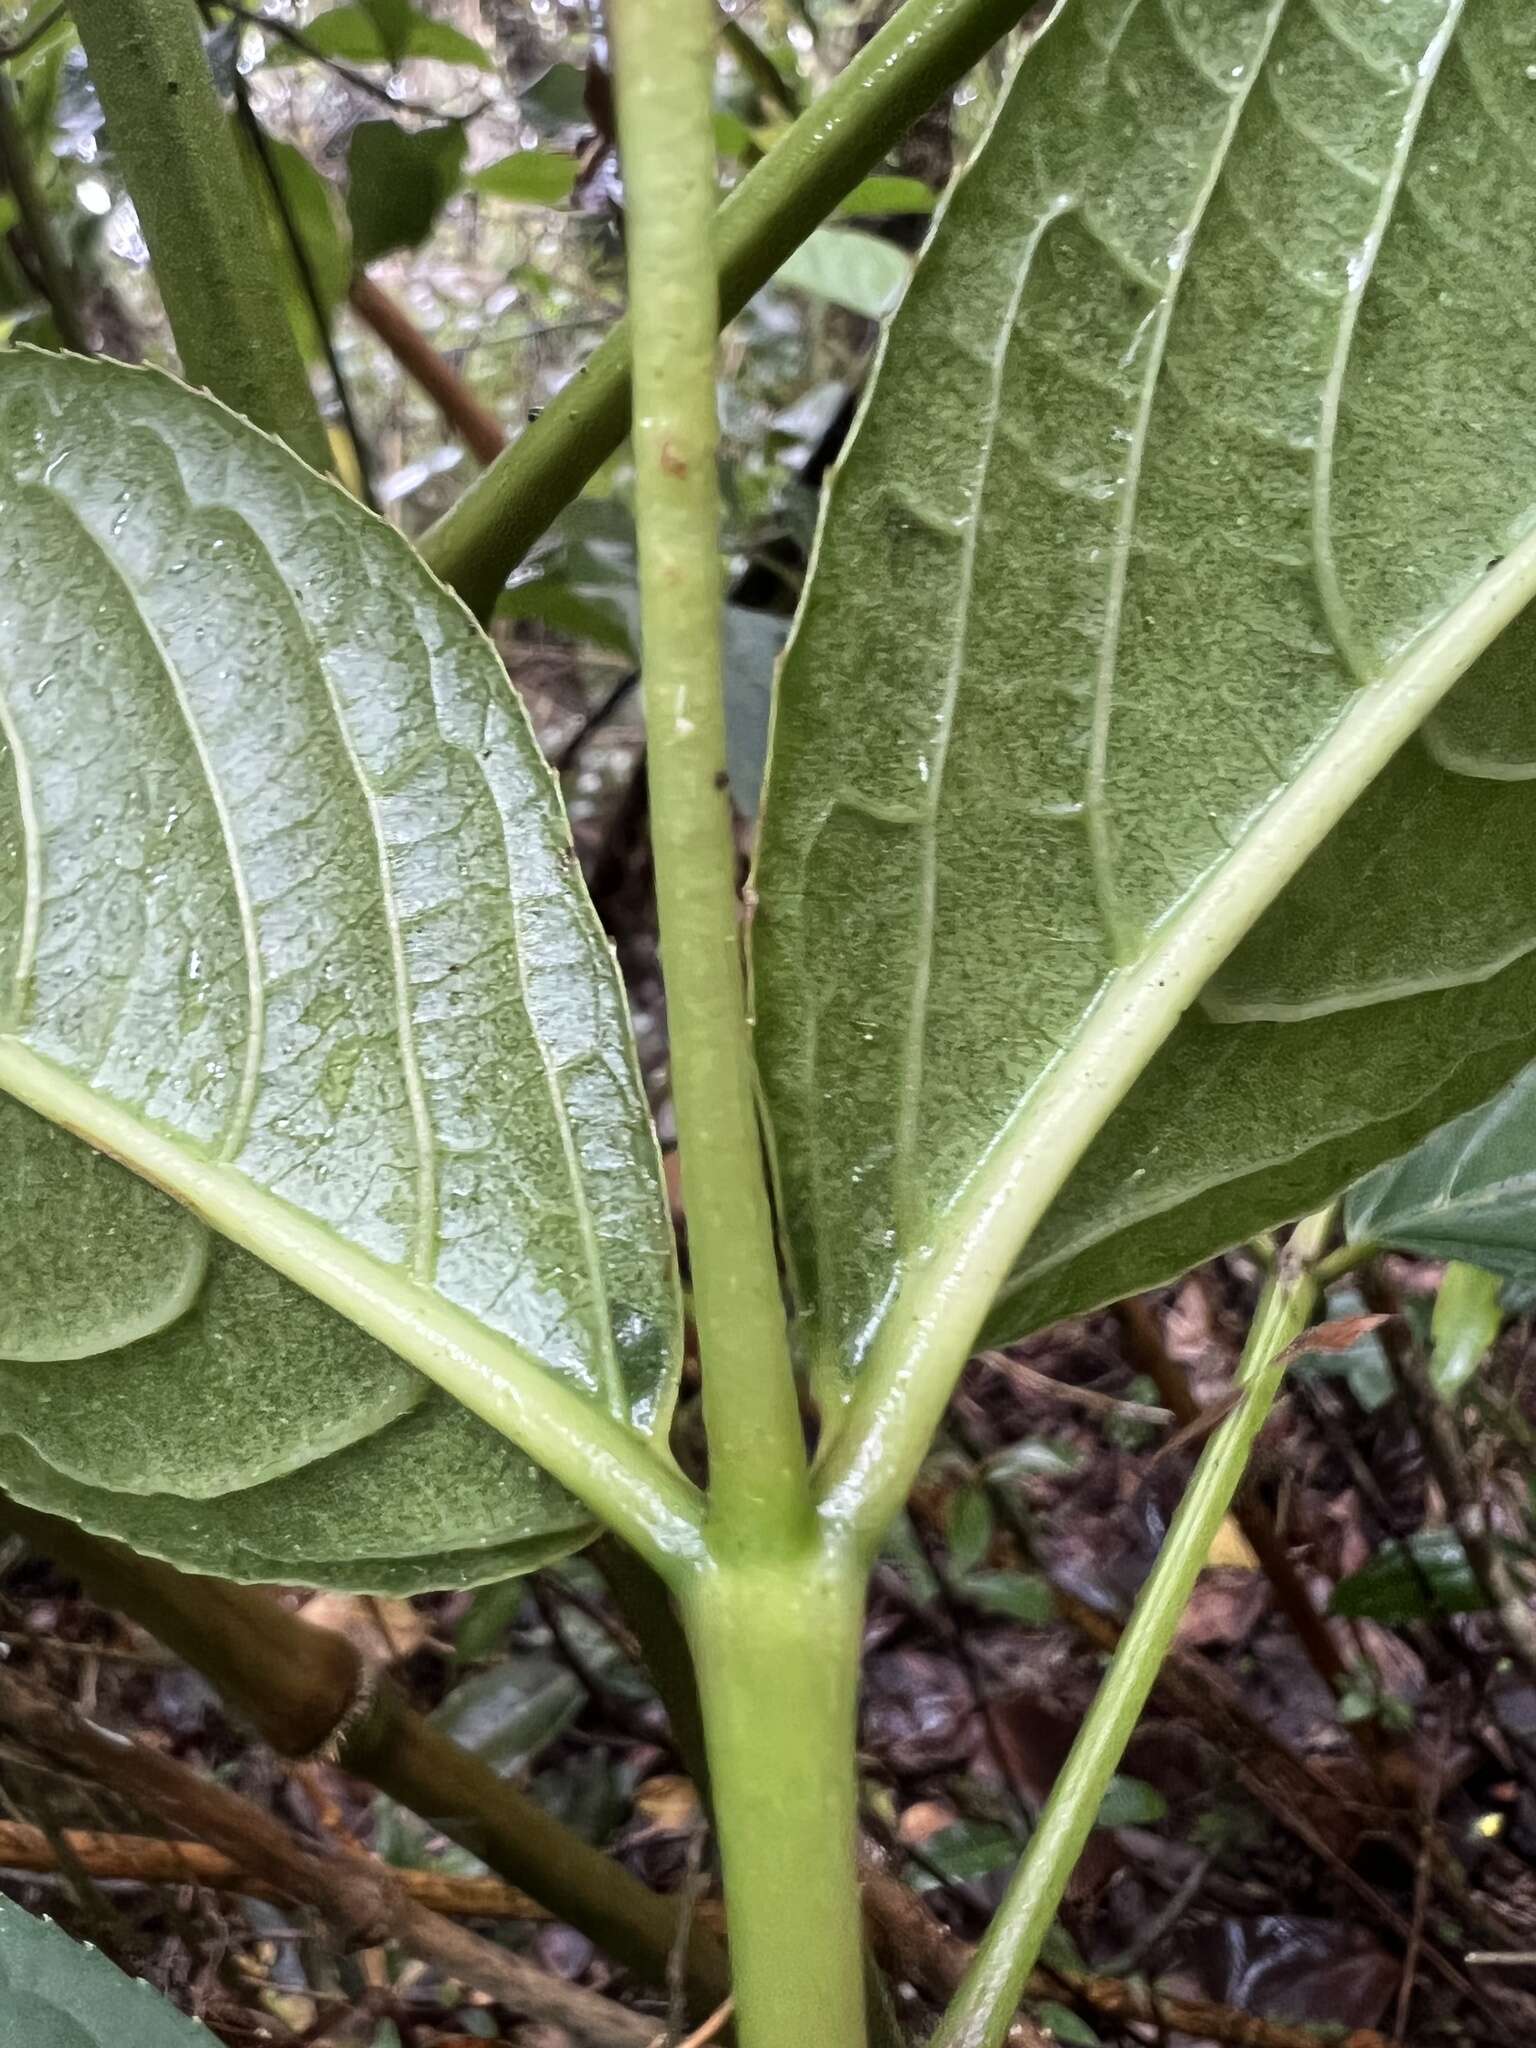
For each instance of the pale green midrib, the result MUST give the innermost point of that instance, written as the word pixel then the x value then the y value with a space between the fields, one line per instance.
pixel 255 992
pixel 1124 942
pixel 1336 609
pixel 618 1474
pixel 927 1334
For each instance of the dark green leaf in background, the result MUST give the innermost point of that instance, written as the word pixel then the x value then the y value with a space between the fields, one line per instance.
pixel 58 1993
pixel 398 181
pixel 1427 1575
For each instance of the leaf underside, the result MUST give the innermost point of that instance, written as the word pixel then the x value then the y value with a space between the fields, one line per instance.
pixel 1214 394
pixel 285 887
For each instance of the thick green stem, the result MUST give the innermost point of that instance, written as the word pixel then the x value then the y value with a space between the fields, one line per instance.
pixel 214 260
pixel 983 2008
pixel 776 1648
pixel 53 265
pixel 920 53
pixel 663 73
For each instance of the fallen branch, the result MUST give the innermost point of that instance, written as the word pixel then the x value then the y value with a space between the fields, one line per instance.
pixel 149 1859
pixel 358 1898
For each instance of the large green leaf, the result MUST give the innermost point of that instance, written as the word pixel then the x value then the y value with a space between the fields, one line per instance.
pixel 290 924
pixel 1198 467
pixel 57 1993
pixel 1467 1192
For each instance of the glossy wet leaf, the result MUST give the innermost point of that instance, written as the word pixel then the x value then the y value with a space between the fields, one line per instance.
pixel 506 1715
pixel 1198 466
pixel 59 1993
pixel 1467 1192
pixel 1429 1574
pixel 304 944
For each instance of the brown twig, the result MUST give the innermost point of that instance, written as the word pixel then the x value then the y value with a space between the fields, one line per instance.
pixel 1024 1375
pixel 304 1690
pixel 150 1860
pixel 475 424
pixel 355 1896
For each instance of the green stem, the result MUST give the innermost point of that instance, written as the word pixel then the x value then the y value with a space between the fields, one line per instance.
pixel 213 257
pixel 663 72
pixel 776 1648
pixel 18 171
pixel 983 2008
pixel 920 53
pixel 773 88
pixel 1348 1258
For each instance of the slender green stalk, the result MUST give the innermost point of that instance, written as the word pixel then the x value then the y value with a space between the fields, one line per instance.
pixel 213 258
pixel 54 270
pixel 18 171
pixel 776 1649
pixel 772 86
pixel 663 72
pixel 984 2006
pixel 925 47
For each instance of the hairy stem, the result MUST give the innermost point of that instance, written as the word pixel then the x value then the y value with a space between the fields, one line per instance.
pixel 213 258
pixel 982 2009
pixel 663 72
pixel 18 171
pixel 925 47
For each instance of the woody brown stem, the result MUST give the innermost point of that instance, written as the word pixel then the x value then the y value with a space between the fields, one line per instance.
pixel 475 424
pixel 356 1896
pixel 303 1690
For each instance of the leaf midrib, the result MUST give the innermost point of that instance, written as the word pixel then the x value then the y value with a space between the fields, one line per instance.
pixel 945 1295
pixel 624 1477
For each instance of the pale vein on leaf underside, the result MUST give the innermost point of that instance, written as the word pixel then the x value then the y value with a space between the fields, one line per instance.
pixel 1125 942
pixel 255 1031
pixel 611 1375
pixel 1336 610
pixel 32 860
pixel 425 1235
pixel 917 1013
